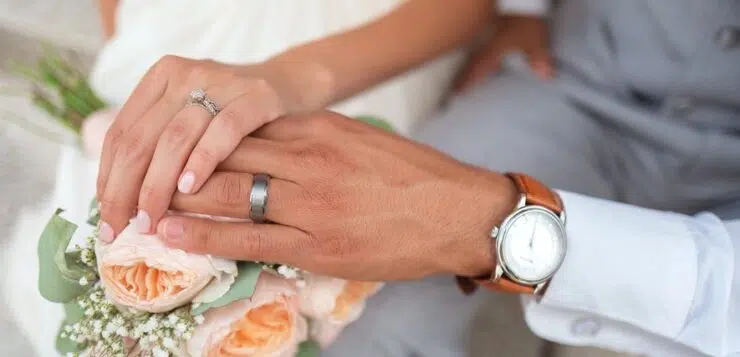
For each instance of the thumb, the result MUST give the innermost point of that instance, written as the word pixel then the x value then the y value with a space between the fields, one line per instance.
pixel 541 63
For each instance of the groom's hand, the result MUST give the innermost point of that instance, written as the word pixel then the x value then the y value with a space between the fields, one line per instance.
pixel 347 200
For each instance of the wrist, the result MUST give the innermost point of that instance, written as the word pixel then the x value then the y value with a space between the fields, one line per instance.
pixel 303 85
pixel 495 201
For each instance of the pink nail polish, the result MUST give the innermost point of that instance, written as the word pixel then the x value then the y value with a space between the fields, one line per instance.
pixel 106 232
pixel 173 229
pixel 143 222
pixel 186 183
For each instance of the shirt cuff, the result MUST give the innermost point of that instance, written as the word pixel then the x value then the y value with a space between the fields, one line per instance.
pixel 524 7
pixel 625 264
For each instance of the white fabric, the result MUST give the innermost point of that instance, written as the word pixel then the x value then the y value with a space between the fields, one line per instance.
pixel 525 7
pixel 238 31
pixel 235 31
pixel 644 281
pixel 68 24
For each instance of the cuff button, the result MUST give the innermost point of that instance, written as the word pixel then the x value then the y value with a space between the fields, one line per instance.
pixel 585 327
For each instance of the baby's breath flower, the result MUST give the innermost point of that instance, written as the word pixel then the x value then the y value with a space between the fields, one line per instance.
pixel 181 328
pixel 199 319
pixel 159 352
pixel 287 272
pixel 169 343
pixel 104 327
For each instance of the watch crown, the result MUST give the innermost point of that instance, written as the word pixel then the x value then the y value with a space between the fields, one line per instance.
pixel 494 232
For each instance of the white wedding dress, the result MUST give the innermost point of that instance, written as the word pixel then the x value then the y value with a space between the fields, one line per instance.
pixel 235 31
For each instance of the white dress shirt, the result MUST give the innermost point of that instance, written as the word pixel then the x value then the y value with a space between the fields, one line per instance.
pixel 525 7
pixel 638 280
pixel 643 281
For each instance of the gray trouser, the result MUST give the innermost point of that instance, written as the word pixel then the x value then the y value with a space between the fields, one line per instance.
pixel 517 123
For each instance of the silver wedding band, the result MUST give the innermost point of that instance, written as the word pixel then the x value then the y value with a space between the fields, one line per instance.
pixel 258 198
pixel 200 98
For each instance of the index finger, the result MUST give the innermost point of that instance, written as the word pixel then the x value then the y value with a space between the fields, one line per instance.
pixel 147 93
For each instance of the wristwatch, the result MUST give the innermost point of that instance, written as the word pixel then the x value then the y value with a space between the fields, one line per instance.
pixel 530 244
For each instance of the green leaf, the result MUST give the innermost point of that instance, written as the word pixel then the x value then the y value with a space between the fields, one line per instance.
pixel 73 313
pixel 94 213
pixel 376 122
pixel 59 271
pixel 243 287
pixel 309 349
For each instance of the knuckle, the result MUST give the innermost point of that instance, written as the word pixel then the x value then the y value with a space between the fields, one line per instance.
pixel 256 86
pixel 198 72
pixel 111 206
pixel 270 104
pixel 250 245
pixel 230 119
pixel 169 60
pixel 199 238
pixel 176 135
pixel 166 64
pixel 231 190
pixel 114 136
pixel 325 124
pixel 260 85
pixel 132 149
pixel 316 155
pixel 204 157
pixel 323 201
pixel 151 194
pixel 335 246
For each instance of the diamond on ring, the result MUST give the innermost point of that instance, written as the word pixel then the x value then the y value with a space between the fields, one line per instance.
pixel 200 98
pixel 197 95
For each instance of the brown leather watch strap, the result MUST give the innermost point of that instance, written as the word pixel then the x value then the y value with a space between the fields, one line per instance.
pixel 537 193
pixel 505 285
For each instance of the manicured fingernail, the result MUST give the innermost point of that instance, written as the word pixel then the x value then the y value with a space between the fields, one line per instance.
pixel 106 232
pixel 173 229
pixel 143 222
pixel 186 183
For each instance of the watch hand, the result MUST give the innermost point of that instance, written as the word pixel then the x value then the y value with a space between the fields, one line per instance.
pixel 534 229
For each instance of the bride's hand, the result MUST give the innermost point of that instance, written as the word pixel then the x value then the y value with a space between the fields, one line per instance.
pixel 159 143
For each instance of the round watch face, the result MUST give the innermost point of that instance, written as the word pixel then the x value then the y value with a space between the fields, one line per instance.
pixel 532 245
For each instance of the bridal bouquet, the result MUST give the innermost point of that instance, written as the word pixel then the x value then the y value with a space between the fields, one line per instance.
pixel 59 88
pixel 137 297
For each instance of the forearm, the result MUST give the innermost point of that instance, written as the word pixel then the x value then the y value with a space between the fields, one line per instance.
pixel 325 71
pixel 107 10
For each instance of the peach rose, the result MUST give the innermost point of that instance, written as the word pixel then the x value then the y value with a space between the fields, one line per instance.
pixel 333 304
pixel 94 129
pixel 268 324
pixel 139 271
